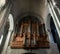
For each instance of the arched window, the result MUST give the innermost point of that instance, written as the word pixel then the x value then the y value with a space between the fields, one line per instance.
pixel 11 21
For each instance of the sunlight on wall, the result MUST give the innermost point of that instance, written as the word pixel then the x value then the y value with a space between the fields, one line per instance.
pixel 2 2
pixel 1 38
pixel 11 22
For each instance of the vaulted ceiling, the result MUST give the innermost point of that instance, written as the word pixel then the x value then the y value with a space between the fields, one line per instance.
pixel 29 6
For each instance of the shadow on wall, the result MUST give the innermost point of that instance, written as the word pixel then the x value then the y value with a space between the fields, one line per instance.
pixel 54 33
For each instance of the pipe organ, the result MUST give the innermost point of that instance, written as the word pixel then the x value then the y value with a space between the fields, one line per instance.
pixel 31 34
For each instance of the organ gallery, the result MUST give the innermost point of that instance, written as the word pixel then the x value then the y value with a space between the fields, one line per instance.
pixel 29 27
pixel 30 33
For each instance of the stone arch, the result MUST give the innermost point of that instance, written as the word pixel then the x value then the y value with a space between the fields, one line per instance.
pixel 31 14
pixel 48 29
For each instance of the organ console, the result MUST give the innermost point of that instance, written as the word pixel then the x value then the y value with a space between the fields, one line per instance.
pixel 31 35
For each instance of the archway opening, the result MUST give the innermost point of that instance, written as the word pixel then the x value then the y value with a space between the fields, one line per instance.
pixel 53 29
pixel 30 33
pixel 54 32
pixel 29 20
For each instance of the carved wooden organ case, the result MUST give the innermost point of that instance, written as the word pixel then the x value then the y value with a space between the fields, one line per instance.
pixel 31 34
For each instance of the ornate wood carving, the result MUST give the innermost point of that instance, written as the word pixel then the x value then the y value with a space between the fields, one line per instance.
pixel 30 37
